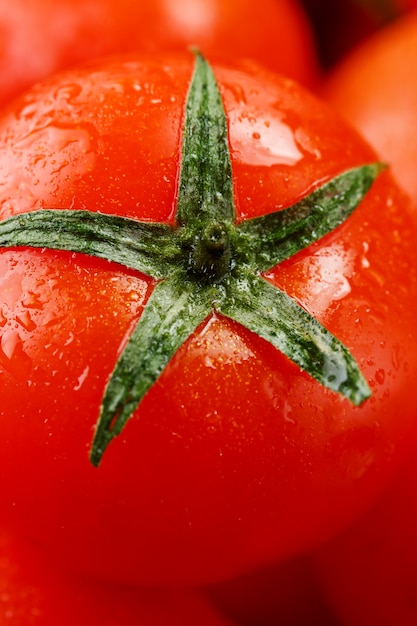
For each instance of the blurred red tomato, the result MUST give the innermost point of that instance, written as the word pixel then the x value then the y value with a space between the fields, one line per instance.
pixel 284 594
pixel 38 37
pixel 34 593
pixel 341 25
pixel 369 572
pixel 376 90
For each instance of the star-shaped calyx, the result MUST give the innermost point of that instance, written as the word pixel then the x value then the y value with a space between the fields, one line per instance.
pixel 206 261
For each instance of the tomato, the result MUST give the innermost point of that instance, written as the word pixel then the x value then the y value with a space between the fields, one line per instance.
pixel 34 592
pixel 374 89
pixel 39 37
pixel 369 572
pixel 405 4
pixel 230 454
pixel 341 25
pixel 283 593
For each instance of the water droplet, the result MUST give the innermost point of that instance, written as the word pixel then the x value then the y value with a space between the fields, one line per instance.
pixel 364 261
pixel 287 412
pixel 396 357
pixel 82 378
pixel 31 300
pixel 68 92
pixel 9 341
pixel 380 376
pixel 13 357
pixel 25 320
pixel 275 142
pixel 70 339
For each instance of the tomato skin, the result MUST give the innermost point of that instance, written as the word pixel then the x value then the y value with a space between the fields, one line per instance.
pixel 368 572
pixel 405 5
pixel 283 593
pixel 234 457
pixel 372 87
pixel 40 37
pixel 34 592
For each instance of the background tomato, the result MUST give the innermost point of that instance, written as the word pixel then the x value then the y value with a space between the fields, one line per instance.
pixel 286 593
pixel 374 89
pixel 38 37
pixel 235 457
pixel 369 572
pixel 406 4
pixel 339 26
pixel 33 592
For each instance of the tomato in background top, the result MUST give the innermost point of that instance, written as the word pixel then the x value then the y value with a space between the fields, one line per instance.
pixel 235 456
pixel 39 37
pixel 375 89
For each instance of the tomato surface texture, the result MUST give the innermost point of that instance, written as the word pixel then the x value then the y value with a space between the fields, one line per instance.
pixel 235 456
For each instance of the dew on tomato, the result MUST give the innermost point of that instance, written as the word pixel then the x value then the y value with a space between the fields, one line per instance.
pixel 263 142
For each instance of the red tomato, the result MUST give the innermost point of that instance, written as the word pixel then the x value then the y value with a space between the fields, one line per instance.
pixel 405 4
pixel 285 593
pixel 374 88
pixel 39 37
pixel 343 24
pixel 369 572
pixel 235 457
pixel 33 592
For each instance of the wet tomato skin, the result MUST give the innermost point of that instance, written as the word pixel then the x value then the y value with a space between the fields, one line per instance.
pixel 235 457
